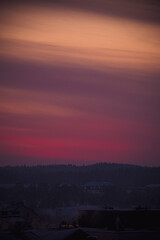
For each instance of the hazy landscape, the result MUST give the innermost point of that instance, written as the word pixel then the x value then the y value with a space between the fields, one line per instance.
pixel 55 196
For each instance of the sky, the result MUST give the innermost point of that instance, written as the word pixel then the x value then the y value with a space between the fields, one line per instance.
pixel 79 82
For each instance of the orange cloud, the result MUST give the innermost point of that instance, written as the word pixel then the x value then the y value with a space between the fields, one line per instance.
pixel 78 37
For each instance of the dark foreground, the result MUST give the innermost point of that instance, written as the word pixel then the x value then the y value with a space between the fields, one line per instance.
pixel 126 235
pixel 82 234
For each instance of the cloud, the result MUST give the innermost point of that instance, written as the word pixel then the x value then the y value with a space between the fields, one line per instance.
pixel 144 10
pixel 80 92
pixel 80 82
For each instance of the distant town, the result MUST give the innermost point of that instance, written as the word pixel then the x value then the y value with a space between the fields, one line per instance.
pixel 50 200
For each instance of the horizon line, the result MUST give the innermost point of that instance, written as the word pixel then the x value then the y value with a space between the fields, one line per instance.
pixel 79 165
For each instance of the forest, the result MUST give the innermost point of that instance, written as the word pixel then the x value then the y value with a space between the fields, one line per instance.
pixel 63 185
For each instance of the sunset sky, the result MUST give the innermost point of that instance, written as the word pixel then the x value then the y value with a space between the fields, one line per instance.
pixel 80 82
